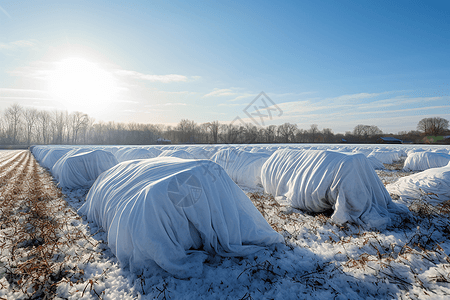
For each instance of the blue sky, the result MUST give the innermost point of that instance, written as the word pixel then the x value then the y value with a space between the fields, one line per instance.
pixel 332 63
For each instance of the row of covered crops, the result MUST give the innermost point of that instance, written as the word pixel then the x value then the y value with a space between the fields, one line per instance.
pixel 171 206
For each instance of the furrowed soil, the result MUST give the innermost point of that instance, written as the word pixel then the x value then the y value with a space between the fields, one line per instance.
pixel 33 242
pixel 47 251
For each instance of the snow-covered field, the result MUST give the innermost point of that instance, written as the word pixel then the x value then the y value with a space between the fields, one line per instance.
pixel 318 259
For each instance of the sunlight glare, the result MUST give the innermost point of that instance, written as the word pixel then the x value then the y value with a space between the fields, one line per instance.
pixel 81 85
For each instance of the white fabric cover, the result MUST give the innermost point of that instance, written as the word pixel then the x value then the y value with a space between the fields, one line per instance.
pixel 39 152
pixel 365 151
pixel 81 169
pixel 432 185
pixel 318 180
pixel 242 166
pixel 420 161
pixel 199 153
pixel 52 156
pixel 135 153
pixel 261 150
pixel 113 150
pixel 163 148
pixel 414 150
pixel 155 151
pixel 441 150
pixel 386 157
pixel 58 166
pixel 121 151
pixel 176 153
pixel 376 164
pixel 148 222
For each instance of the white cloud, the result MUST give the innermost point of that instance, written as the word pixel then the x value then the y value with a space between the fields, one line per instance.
pixel 220 93
pixel 359 96
pixel 175 104
pixel 160 92
pixel 240 93
pixel 231 104
pixel 127 101
pixel 12 91
pixel 18 44
pixel 244 96
pixel 27 98
pixel 168 104
pixel 11 94
pixel 152 78
pixel 37 70
pixel 330 106
pixel 342 113
pixel 24 98
pixel 144 112
pixel 43 69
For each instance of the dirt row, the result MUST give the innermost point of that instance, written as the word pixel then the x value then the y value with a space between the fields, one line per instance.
pixel 32 242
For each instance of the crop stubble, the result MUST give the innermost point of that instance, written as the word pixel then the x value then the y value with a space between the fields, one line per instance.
pixel 33 243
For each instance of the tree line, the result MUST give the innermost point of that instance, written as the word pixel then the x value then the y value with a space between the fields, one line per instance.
pixel 29 126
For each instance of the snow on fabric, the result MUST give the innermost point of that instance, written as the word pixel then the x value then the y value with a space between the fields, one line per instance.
pixel 420 161
pixel 81 169
pixel 176 153
pixel 318 180
pixel 135 153
pixel 432 185
pixel 243 167
pixel 165 210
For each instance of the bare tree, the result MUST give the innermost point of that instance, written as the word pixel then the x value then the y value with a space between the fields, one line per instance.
pixel 327 135
pixel 2 131
pixel 78 121
pixel 251 133
pixel 287 132
pixel 13 117
pixel 186 129
pixel 214 129
pixel 314 132
pixel 30 116
pixel 44 121
pixel 229 133
pixel 60 119
pixel 87 129
pixel 433 126
pixel 270 133
pixel 301 136
pixel 366 131
pixel 374 130
pixel 360 130
pixel 32 126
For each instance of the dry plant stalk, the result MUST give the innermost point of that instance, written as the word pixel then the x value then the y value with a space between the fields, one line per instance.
pixel 31 222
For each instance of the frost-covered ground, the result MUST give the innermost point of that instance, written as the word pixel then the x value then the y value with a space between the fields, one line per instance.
pixel 318 260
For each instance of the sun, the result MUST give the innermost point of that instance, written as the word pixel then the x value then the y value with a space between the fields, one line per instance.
pixel 81 85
